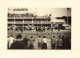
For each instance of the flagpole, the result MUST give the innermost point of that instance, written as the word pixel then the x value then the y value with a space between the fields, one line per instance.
pixel 67 14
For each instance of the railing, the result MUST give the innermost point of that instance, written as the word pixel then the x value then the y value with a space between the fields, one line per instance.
pixel 30 22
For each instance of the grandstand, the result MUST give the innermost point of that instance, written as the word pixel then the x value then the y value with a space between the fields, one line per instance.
pixel 27 18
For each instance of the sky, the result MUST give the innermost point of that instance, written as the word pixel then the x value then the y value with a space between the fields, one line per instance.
pixel 55 12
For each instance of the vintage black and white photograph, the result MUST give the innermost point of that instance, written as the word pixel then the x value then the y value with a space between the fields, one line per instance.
pixel 39 28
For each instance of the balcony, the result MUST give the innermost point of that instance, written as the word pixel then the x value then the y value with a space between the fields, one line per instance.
pixel 36 22
pixel 10 22
pixel 45 22
pixel 18 22
pixel 27 22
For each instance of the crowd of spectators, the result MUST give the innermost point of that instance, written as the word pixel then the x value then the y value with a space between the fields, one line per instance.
pixel 28 28
pixel 32 27
pixel 60 42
